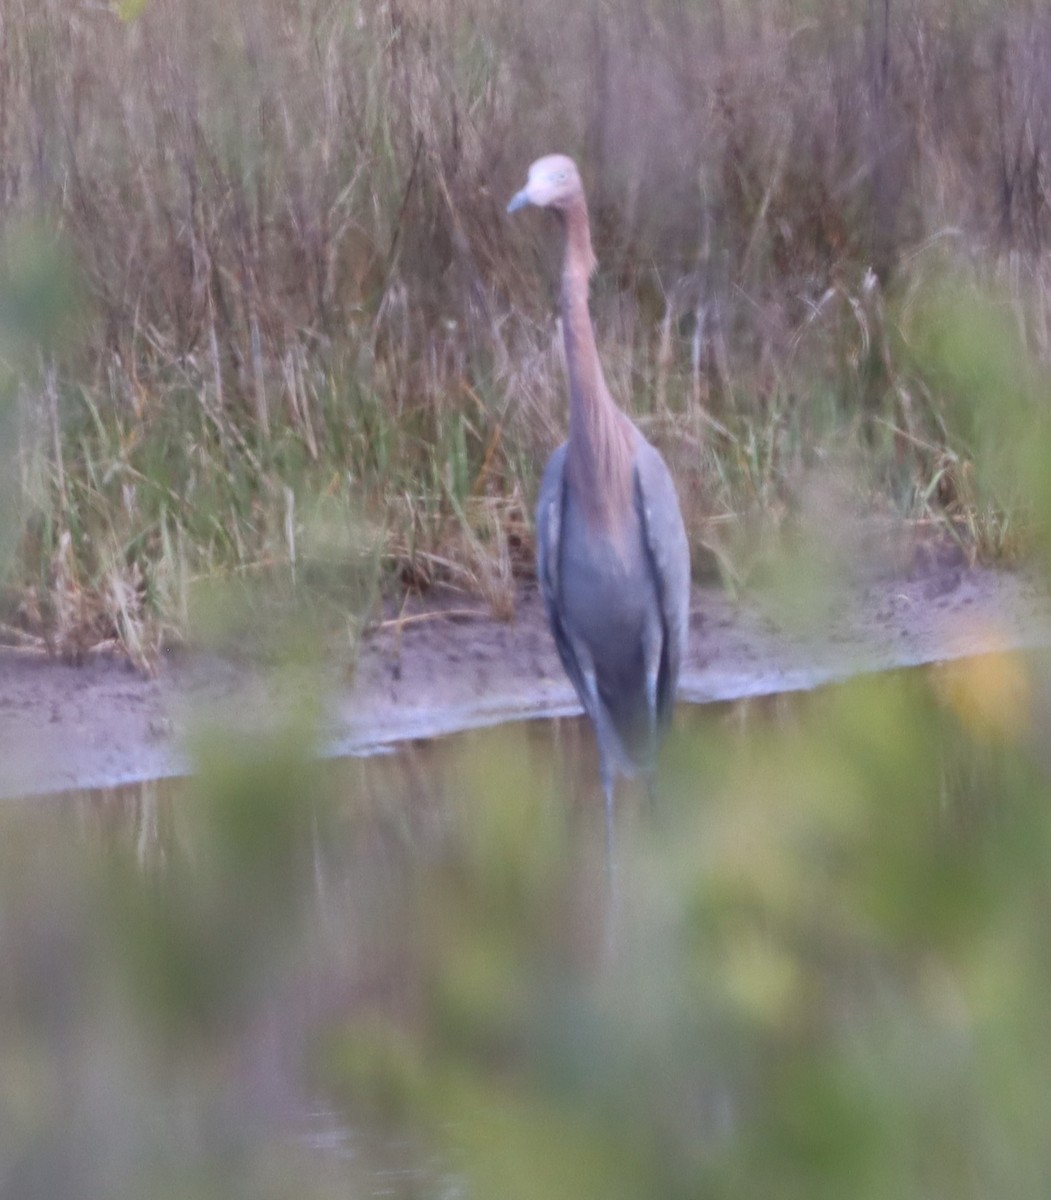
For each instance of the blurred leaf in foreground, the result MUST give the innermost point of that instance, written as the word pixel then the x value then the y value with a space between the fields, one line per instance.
pixel 828 976
pixel 208 924
pixel 969 344
pixel 42 304
pixel 10 484
pixel 41 299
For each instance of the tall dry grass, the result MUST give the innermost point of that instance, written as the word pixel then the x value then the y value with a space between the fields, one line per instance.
pixel 309 346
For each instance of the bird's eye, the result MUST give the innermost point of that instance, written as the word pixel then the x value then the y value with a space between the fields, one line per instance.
pixel 561 177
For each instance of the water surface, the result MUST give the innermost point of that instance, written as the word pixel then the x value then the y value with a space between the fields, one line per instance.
pixel 387 976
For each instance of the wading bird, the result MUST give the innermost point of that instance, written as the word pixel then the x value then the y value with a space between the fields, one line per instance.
pixel 612 556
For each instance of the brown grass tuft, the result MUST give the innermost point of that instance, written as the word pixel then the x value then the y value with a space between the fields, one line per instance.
pixel 288 218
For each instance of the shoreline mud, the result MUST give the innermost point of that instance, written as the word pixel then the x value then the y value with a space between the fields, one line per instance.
pixel 444 665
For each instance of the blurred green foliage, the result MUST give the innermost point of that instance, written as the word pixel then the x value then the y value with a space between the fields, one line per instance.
pixel 41 299
pixel 827 975
pixel 969 344
pixel 8 473
pixel 40 304
pixel 821 967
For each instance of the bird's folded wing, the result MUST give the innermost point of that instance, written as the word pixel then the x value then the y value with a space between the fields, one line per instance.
pixel 668 552
pixel 548 565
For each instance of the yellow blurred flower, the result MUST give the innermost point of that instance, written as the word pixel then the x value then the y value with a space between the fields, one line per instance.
pixel 991 694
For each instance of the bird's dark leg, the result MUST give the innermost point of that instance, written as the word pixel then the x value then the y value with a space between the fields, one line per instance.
pixel 614 897
pixel 608 784
pixel 608 760
pixel 652 645
pixel 652 790
pixel 651 716
pixel 609 757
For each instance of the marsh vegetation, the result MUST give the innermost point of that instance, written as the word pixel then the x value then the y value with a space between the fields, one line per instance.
pixel 264 321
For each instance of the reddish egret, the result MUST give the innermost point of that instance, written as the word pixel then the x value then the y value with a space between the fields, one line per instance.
pixel 612 555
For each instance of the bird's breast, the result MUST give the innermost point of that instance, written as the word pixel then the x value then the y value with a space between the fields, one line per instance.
pixel 607 589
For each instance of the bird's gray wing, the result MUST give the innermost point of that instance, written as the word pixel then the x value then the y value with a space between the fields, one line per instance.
pixel 549 506
pixel 668 554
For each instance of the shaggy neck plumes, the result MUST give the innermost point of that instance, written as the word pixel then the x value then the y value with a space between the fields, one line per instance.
pixel 599 461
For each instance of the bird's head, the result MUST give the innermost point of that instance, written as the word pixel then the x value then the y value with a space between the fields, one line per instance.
pixel 554 182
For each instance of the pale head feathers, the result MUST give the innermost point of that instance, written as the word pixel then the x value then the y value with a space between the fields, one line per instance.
pixel 553 182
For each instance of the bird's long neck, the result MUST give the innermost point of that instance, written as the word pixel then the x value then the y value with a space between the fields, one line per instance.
pixel 599 460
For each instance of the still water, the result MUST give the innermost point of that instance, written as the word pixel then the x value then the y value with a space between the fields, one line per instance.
pixel 177 959
pixel 410 975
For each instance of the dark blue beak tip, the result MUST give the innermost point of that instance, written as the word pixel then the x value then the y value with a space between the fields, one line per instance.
pixel 518 200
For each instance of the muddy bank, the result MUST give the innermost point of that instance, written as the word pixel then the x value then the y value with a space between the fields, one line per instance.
pixel 444 665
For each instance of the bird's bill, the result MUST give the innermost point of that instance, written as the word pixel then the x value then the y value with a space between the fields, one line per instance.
pixel 519 200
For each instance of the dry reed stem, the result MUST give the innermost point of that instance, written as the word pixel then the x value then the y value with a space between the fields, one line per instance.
pixel 288 217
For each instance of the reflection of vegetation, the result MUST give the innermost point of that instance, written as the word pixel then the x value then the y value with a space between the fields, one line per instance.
pixel 307 314
pixel 824 971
